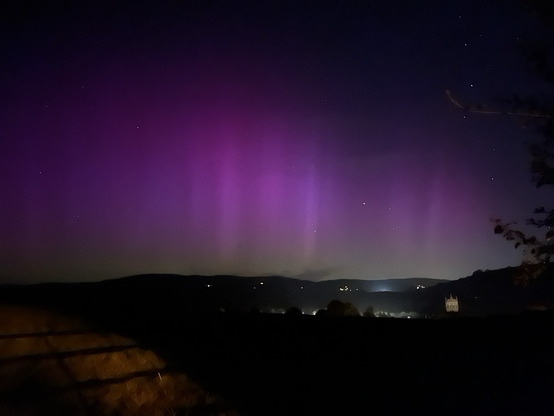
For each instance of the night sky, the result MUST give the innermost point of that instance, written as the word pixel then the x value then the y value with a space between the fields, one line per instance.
pixel 308 139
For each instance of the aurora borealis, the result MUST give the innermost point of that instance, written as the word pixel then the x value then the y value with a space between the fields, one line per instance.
pixel 293 138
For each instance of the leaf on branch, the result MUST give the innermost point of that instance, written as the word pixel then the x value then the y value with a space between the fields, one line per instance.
pixel 499 229
pixel 516 245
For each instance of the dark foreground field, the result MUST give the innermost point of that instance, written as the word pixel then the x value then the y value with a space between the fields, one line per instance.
pixel 306 365
pixel 263 364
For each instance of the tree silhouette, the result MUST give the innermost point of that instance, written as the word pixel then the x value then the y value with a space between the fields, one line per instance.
pixel 294 311
pixel 350 310
pixel 369 312
pixel 335 308
pixel 538 113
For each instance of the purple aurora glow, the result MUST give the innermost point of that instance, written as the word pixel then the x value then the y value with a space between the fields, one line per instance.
pixel 230 154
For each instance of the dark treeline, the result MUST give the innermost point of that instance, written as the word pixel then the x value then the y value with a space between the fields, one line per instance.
pixel 294 364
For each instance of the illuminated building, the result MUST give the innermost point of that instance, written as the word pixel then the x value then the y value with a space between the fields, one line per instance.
pixel 451 304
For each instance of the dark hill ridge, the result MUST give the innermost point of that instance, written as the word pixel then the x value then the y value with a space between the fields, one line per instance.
pixel 383 285
pixel 213 292
pixel 484 293
pixel 272 364
pixel 494 292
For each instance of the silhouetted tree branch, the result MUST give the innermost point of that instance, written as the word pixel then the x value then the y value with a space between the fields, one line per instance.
pixel 537 112
pixel 482 109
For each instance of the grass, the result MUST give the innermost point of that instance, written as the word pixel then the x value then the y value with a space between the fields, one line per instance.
pixel 53 365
